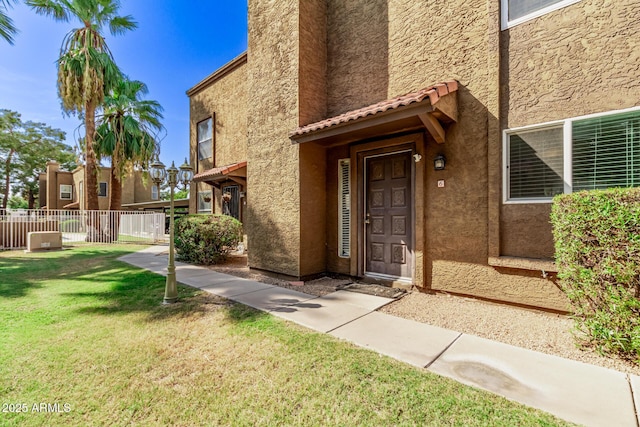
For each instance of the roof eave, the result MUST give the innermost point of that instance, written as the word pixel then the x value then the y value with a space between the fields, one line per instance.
pixel 411 110
pixel 218 74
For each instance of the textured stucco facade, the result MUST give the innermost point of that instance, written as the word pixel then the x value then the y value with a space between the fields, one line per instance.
pixel 311 60
pixel 222 96
pixel 584 59
pixel 273 211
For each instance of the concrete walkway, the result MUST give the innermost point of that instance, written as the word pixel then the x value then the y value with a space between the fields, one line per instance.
pixel 574 391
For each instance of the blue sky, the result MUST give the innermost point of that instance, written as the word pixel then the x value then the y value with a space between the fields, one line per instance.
pixel 177 44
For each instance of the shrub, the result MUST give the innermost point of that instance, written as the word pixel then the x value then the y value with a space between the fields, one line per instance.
pixel 597 240
pixel 206 239
pixel 70 226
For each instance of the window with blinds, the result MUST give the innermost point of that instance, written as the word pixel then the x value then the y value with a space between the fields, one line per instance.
pixel 583 153
pixel 606 152
pixel 536 163
pixel 517 11
pixel 344 209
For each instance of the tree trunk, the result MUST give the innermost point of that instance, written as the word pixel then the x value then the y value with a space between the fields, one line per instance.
pixel 7 178
pixel 31 198
pixel 94 228
pixel 115 203
pixel 90 172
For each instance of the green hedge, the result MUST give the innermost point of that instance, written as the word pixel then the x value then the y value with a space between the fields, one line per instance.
pixel 206 239
pixel 70 226
pixel 597 242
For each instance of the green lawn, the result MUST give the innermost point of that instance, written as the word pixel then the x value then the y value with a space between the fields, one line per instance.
pixel 87 336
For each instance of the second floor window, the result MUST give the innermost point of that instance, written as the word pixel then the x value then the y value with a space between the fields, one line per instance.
pixel 102 189
pixel 65 192
pixel 205 139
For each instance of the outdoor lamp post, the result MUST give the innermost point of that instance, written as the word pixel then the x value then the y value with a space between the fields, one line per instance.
pixel 173 176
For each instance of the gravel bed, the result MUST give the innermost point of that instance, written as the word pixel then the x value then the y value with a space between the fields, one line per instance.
pixel 526 328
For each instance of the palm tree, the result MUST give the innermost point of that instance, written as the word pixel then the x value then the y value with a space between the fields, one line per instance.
pixel 126 132
pixel 86 71
pixel 7 29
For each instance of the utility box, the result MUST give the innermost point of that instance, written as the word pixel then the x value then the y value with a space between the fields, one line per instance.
pixel 44 240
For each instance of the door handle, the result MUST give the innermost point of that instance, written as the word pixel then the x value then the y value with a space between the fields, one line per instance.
pixel 367 219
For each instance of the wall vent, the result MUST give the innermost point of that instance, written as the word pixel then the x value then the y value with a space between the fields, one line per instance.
pixel 344 208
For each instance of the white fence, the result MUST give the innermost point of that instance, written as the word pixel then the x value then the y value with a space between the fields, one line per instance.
pixel 81 226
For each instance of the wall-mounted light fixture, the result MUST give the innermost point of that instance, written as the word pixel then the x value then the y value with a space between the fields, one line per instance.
pixel 439 162
pixel 417 157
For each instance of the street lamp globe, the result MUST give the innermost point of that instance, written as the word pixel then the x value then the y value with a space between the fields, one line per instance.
pixel 158 172
pixel 186 173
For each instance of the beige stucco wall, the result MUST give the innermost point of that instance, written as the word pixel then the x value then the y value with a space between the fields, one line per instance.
pixel 429 44
pixel 53 198
pixel 273 204
pixel 357 54
pixel 521 287
pixel 104 176
pixel 224 99
pixel 584 59
pixel 134 188
pixel 78 177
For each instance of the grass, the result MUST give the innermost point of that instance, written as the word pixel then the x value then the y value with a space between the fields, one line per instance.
pixel 86 332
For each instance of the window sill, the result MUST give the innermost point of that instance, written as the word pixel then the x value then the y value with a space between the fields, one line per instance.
pixel 518 263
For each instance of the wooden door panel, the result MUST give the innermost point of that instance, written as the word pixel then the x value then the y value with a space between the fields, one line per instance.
pixel 388 193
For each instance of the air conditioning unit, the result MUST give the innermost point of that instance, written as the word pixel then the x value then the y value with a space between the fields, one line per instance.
pixel 44 240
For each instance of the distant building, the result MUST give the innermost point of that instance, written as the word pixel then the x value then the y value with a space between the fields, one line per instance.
pixel 66 190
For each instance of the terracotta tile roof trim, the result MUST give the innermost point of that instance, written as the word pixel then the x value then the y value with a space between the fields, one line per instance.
pixel 71 205
pixel 222 170
pixel 434 93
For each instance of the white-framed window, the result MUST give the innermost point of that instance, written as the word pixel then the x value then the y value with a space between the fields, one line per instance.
pixel 344 208
pixel 582 153
pixel 102 189
pixel 204 201
pixel 205 139
pixel 155 193
pixel 66 192
pixel 515 12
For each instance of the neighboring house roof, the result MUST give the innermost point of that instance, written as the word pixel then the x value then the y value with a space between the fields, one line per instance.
pixel 74 205
pixel 219 172
pixel 434 93
pixel 157 204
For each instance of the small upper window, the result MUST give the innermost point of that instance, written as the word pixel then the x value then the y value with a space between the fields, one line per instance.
pixel 154 192
pixel 515 12
pixel 205 139
pixel 65 192
pixel 102 189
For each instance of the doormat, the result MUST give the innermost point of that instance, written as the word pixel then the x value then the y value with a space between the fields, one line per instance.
pixel 376 290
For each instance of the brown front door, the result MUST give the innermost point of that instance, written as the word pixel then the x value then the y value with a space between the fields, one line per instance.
pixel 388 216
